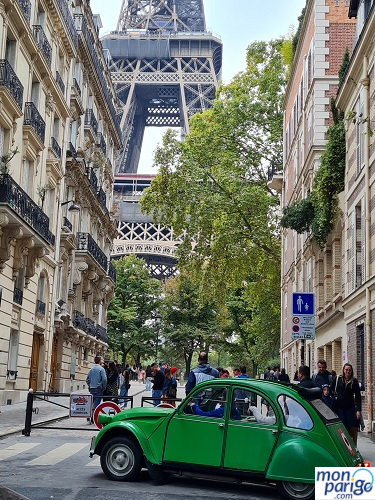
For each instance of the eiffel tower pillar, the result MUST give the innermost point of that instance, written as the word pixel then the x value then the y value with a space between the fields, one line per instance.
pixel 165 67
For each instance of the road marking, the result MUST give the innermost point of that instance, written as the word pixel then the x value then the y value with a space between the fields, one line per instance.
pixel 16 449
pixel 94 463
pixel 59 454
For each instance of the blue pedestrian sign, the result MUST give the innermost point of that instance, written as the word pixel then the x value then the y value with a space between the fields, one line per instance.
pixel 303 304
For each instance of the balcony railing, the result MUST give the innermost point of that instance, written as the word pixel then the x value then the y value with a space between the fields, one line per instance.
pixel 40 308
pixel 43 43
pixel 101 333
pixel 92 178
pixel 79 320
pixel 102 198
pixel 25 6
pixel 111 271
pixel 77 87
pixel 14 196
pixel 67 224
pixel 55 147
pixel 10 81
pixel 101 143
pixel 17 296
pixel 91 121
pixel 90 327
pixel 85 242
pixel 60 82
pixel 33 119
pixel 69 23
pixel 72 151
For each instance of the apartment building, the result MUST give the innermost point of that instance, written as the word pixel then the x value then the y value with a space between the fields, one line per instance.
pixel 326 31
pixel 356 97
pixel 59 130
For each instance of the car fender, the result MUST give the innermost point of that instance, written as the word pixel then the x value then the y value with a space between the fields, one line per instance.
pixel 126 427
pixel 295 459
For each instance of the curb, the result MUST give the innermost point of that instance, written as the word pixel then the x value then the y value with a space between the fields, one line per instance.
pixel 7 494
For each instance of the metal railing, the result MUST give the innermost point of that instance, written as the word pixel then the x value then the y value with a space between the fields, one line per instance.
pixel 40 308
pixel 55 147
pixel 72 150
pixel 17 296
pixel 77 87
pixel 90 327
pixel 101 333
pixel 102 198
pixel 86 243
pixel 43 43
pixel 111 271
pixel 33 118
pixel 67 224
pixel 92 178
pixel 91 121
pixel 101 143
pixel 10 81
pixel 68 19
pixel 25 6
pixel 15 197
pixel 60 82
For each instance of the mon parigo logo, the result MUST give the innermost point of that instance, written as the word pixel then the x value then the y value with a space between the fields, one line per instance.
pixel 344 483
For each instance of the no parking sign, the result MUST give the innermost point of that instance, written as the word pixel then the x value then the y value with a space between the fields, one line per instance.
pixel 105 408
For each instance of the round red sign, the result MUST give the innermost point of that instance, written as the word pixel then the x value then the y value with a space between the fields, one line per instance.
pixel 106 408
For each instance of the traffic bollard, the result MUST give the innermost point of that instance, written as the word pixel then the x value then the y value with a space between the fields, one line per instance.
pixel 29 412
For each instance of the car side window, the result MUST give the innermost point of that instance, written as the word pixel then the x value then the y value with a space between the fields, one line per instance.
pixel 210 402
pixel 295 415
pixel 250 406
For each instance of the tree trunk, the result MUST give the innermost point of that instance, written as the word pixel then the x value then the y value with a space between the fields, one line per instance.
pixel 188 359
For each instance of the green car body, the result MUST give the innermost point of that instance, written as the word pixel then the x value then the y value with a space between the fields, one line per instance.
pixel 301 435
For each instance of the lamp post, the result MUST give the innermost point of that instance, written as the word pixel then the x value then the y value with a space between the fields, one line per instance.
pixel 73 207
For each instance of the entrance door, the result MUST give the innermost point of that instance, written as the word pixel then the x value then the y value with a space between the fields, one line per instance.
pixel 35 362
pixel 54 362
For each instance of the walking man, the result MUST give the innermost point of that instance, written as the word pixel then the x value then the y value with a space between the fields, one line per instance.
pixel 157 388
pixel 323 377
pixel 97 382
pixel 202 372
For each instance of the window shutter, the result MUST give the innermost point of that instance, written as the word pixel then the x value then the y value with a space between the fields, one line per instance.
pixel 353 252
pixel 363 241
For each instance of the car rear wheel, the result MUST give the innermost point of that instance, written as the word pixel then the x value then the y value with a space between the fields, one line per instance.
pixel 121 459
pixel 296 491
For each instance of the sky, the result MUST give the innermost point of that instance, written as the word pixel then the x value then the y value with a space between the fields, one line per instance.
pixel 236 22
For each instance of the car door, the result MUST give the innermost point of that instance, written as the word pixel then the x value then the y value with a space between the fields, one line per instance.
pixel 198 439
pixel 252 432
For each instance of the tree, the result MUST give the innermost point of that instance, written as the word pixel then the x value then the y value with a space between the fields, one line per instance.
pixel 135 304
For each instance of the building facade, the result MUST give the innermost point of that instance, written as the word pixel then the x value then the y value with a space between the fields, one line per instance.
pixel 325 33
pixel 58 141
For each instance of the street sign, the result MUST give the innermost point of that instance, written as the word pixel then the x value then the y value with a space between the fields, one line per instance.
pixel 80 405
pixel 303 316
pixel 107 407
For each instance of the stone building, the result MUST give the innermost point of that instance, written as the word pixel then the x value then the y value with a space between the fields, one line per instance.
pixel 57 109
pixel 326 31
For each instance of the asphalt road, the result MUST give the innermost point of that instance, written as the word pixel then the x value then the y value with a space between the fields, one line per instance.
pixel 55 464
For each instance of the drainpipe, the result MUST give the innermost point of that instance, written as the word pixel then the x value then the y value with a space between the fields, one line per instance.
pixel 365 83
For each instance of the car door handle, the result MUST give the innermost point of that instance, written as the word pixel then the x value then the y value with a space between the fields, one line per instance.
pixel 274 431
pixel 221 426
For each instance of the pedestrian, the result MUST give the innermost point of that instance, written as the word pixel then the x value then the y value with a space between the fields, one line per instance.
pixel 267 373
pixel 304 377
pixel 348 404
pixel 112 387
pixel 283 377
pixel 170 385
pixel 243 373
pixel 134 372
pixel 236 372
pixel 125 386
pixel 276 375
pixel 148 378
pixel 158 379
pixel 97 381
pixel 327 396
pixel 203 371
pixel 225 374
pixel 323 377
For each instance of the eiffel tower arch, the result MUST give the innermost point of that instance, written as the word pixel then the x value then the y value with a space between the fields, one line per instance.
pixel 165 67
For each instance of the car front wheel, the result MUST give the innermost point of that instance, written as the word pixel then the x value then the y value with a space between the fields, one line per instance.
pixel 121 459
pixel 296 491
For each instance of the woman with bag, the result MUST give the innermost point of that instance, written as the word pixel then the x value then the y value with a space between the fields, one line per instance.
pixel 170 385
pixel 125 386
pixel 112 376
pixel 348 405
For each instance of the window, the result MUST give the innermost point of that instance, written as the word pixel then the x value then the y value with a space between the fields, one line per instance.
pixel 249 406
pixel 35 93
pixel 295 415
pixel 13 355
pixel 209 403
pixel 10 52
pixel 360 334
pixel 360 135
pixel 359 244
pixel 27 176
pixel 309 121
pixel 2 137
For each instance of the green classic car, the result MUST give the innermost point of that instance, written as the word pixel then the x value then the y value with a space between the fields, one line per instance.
pixel 243 428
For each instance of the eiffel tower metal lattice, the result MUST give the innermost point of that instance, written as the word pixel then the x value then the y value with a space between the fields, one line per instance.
pixel 165 67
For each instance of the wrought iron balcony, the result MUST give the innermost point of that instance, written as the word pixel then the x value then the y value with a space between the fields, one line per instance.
pixel 72 151
pixel 77 87
pixel 14 196
pixel 101 143
pixel 79 320
pixel 60 82
pixel 67 224
pixel 111 271
pixel 10 81
pixel 91 121
pixel 86 243
pixel 101 333
pixel 102 198
pixel 92 178
pixel 55 147
pixel 33 119
pixel 90 327
pixel 25 6
pixel 69 23
pixel 17 296
pixel 43 43
pixel 40 308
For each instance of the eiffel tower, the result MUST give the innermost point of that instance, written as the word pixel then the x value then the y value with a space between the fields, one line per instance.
pixel 165 67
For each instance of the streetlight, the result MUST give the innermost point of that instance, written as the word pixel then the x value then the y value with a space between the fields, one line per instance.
pixel 73 207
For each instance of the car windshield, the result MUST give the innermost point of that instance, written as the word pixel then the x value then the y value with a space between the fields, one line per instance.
pixel 324 411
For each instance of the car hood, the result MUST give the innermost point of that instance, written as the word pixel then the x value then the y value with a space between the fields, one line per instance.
pixel 136 414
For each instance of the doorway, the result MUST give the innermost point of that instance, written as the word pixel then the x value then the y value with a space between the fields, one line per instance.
pixel 34 367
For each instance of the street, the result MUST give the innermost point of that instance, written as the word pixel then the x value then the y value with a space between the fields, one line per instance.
pixel 56 464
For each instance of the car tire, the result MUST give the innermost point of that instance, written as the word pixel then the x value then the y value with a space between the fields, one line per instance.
pixel 121 459
pixel 156 473
pixel 296 491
